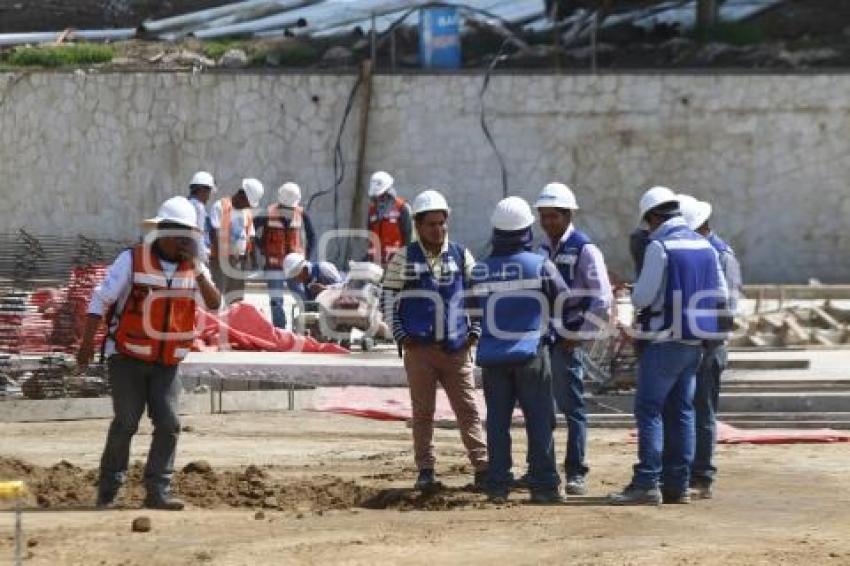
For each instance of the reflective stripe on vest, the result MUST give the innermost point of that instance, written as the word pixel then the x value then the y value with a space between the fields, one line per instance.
pixel 157 322
pixel 281 236
pixel 431 309
pixel 692 269
pixel 566 258
pixel 222 244
pixel 388 231
pixel 513 308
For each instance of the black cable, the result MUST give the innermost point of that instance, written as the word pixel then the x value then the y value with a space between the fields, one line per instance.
pixel 487 134
pixel 339 161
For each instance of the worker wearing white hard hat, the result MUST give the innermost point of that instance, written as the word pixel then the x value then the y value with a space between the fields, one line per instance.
pixel 231 234
pixel 715 356
pixel 580 319
pixel 678 295
pixel 656 197
pixel 389 219
pixel 515 288
pixel 307 279
pixel 424 285
pixel 153 285
pixel 285 228
pixel 201 188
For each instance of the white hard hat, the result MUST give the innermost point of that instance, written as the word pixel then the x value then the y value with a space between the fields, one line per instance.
pixel 654 197
pixel 203 179
pixel 177 210
pixel 695 212
pixel 289 194
pixel 556 195
pixel 428 201
pixel 253 190
pixel 292 264
pixel 512 214
pixel 380 183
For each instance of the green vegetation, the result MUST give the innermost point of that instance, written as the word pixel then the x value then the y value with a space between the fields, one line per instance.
pixel 61 55
pixel 288 55
pixel 216 48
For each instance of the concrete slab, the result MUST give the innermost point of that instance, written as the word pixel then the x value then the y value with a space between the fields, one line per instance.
pixel 28 410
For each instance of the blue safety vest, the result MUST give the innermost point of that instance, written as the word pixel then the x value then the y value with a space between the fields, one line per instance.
pixel 566 260
pixel 692 268
pixel 432 309
pixel 513 309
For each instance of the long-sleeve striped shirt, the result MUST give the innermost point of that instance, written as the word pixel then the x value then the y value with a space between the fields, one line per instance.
pixel 394 283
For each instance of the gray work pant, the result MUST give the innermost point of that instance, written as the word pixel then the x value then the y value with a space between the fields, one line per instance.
pixel 136 385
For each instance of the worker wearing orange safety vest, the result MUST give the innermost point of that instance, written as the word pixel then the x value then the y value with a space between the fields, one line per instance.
pixel 231 235
pixel 390 223
pixel 149 298
pixel 285 229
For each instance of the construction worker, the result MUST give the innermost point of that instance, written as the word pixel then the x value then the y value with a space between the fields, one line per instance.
pixel 231 236
pixel 582 267
pixel 201 188
pixel 425 288
pixel 389 219
pixel 714 359
pixel 308 279
pixel 680 289
pixel 148 298
pixel 285 229
pixel 516 289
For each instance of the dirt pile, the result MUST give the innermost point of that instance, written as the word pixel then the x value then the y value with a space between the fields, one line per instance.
pixel 65 485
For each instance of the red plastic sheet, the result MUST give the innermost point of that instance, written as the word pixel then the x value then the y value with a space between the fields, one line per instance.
pixel 243 327
pixel 55 317
pixel 394 404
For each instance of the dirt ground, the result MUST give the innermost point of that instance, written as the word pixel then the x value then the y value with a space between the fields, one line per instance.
pixel 310 488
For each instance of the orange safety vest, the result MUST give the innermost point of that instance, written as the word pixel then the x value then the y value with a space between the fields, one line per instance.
pixel 220 247
pixel 388 231
pixel 282 236
pixel 158 320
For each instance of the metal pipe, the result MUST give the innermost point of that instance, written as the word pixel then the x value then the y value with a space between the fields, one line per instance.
pixel 316 18
pixel 51 36
pixel 203 16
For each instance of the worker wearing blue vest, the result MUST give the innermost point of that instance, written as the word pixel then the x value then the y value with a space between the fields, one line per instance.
pixel 426 287
pixel 680 289
pixel 707 394
pixel 515 289
pixel 582 318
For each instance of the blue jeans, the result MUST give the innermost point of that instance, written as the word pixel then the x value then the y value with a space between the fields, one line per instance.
pixel 528 383
pixel 278 289
pixel 706 400
pixel 568 390
pixel 665 415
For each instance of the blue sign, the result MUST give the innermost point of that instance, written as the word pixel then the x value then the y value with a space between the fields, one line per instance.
pixel 439 38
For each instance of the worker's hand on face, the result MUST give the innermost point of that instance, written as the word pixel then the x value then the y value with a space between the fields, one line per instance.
pixel 85 354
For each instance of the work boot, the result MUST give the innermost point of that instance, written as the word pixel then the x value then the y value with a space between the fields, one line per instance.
pixel 576 485
pixel 498 496
pixel 106 501
pixel 671 497
pixel 702 489
pixel 633 495
pixel 163 503
pixel 521 482
pixel 546 497
pixel 426 481
pixel 480 480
